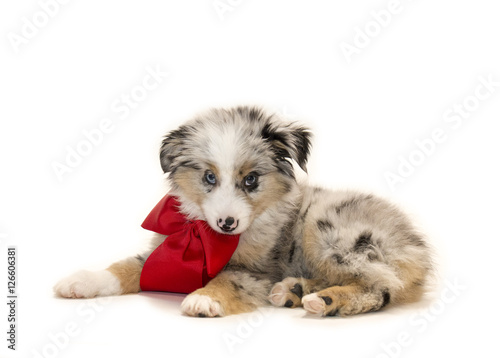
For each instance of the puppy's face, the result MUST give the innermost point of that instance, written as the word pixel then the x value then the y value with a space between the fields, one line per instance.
pixel 234 164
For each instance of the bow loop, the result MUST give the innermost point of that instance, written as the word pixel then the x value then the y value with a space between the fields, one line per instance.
pixel 191 255
pixel 194 228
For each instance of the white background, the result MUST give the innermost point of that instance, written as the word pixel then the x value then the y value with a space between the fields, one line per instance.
pixel 286 55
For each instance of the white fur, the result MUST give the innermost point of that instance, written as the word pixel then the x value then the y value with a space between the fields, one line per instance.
pixel 314 304
pixel 225 202
pixel 278 294
pixel 195 305
pixel 88 284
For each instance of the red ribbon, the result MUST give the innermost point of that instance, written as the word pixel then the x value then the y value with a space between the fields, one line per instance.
pixel 191 255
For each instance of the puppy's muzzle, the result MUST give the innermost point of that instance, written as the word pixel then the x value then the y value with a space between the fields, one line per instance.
pixel 228 225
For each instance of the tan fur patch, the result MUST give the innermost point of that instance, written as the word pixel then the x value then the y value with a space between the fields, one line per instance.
pixel 190 182
pixel 310 242
pixel 128 271
pixel 250 253
pixel 342 295
pixel 347 300
pixel 414 278
pixel 275 187
pixel 244 170
pixel 222 290
pixel 214 170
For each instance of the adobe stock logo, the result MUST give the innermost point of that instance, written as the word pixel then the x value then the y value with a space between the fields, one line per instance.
pixel 31 26
pixel 420 321
pixel 122 107
pixel 454 118
pixel 245 329
pixel 222 7
pixel 86 313
pixel 364 35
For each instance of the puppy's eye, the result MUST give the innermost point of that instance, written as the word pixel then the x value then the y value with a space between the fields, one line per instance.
pixel 251 180
pixel 210 178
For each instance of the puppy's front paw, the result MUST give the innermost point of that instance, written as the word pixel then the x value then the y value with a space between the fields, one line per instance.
pixel 88 284
pixel 197 305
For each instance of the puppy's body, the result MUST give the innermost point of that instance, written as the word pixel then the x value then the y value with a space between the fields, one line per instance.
pixel 330 252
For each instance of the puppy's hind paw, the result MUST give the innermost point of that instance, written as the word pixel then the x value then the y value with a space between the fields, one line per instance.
pixel 314 304
pixel 287 293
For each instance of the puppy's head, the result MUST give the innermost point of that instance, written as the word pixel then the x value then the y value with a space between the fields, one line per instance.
pixel 233 164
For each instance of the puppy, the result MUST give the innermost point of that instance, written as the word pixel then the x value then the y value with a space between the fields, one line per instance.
pixel 330 252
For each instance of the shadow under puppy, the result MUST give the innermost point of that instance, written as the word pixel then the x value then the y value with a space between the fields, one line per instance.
pixel 330 252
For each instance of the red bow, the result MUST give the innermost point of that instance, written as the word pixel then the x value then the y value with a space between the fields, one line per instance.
pixel 191 255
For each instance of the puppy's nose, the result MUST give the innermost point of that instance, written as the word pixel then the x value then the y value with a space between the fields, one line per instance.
pixel 227 225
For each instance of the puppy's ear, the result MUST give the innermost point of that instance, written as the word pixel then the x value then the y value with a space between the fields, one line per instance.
pixel 171 148
pixel 289 141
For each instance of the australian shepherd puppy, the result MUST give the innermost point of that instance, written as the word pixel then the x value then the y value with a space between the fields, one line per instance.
pixel 330 252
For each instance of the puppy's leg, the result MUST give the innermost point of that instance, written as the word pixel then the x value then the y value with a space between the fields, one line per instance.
pixel 346 300
pixel 289 292
pixel 120 278
pixel 231 292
